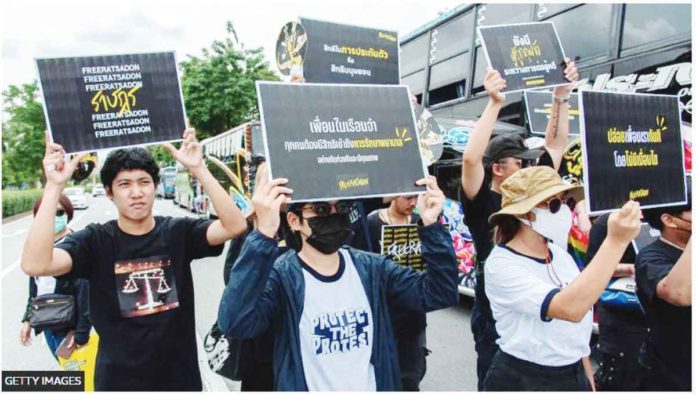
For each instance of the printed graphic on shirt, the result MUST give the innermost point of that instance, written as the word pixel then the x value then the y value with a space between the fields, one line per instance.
pixel 340 332
pixel 145 286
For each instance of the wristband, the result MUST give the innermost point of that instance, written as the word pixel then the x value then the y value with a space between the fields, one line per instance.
pixel 561 100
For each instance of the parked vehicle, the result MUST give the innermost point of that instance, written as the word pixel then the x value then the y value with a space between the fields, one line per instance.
pixel 78 197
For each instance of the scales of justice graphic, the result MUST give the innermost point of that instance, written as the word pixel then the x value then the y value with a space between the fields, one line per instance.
pixel 147 277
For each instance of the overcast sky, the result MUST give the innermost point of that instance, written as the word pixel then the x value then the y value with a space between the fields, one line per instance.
pixel 32 28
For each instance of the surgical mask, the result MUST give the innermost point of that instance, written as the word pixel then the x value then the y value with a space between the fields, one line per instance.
pixel 60 223
pixel 329 233
pixel 554 227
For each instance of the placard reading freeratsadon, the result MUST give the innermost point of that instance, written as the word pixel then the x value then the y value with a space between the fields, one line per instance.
pixel 338 141
pixel 338 53
pixel 539 112
pixel 527 55
pixel 98 102
pixel 402 243
pixel 635 150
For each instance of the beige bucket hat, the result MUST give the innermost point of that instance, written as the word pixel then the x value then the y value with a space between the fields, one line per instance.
pixel 530 186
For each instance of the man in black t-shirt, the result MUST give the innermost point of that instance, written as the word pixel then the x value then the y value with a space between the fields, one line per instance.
pixel 138 266
pixel 663 278
pixel 409 328
pixel 486 164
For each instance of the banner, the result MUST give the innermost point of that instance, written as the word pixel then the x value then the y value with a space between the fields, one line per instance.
pixel 527 55
pixel 99 102
pixel 340 53
pixel 338 141
pixel 538 106
pixel 402 243
pixel 636 150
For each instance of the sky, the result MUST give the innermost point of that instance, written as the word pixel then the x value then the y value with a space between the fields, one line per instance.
pixel 36 29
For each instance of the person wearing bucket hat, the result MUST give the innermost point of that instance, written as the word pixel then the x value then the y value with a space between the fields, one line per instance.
pixel 541 302
pixel 486 164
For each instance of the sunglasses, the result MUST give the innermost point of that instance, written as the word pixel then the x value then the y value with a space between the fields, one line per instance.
pixel 555 204
pixel 60 212
pixel 323 209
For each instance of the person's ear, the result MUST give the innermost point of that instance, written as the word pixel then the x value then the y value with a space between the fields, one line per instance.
pixel 109 193
pixel 668 221
pixel 496 169
pixel 294 221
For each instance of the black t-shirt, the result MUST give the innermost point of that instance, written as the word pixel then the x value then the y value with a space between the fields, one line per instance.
pixel 620 331
pixel 669 338
pixel 408 324
pixel 141 301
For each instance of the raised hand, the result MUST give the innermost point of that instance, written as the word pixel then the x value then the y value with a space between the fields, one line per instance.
pixel 571 74
pixel 430 203
pixel 494 83
pixel 190 154
pixel 624 225
pixel 57 171
pixel 267 199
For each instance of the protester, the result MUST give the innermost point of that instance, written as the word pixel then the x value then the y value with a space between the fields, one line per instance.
pixel 663 276
pixel 541 302
pixel 328 306
pixel 138 266
pixel 485 165
pixel 59 285
pixel 409 328
pixel 622 330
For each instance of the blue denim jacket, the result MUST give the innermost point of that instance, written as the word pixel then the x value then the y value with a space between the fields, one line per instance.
pixel 262 294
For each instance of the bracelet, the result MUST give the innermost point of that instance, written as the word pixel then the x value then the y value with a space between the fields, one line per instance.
pixel 561 100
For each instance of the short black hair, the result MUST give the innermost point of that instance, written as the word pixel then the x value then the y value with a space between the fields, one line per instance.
pixel 128 159
pixel 652 215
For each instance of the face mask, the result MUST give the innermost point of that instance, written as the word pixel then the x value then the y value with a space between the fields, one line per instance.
pixel 554 227
pixel 60 223
pixel 328 233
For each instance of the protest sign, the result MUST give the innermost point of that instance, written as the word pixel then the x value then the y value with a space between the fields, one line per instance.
pixel 527 55
pixel 646 237
pixel 338 141
pixel 291 47
pixel 402 243
pixel 430 135
pixel 636 150
pixel 339 53
pixel 98 102
pixel 538 106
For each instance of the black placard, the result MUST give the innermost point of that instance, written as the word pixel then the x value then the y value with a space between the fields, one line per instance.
pixel 539 111
pixel 98 102
pixel 635 150
pixel 340 53
pixel 402 244
pixel 527 55
pixel 336 141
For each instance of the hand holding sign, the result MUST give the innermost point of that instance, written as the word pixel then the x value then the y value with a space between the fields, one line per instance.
pixel 57 171
pixel 430 203
pixel 494 84
pixel 624 225
pixel 267 199
pixel 571 74
pixel 190 154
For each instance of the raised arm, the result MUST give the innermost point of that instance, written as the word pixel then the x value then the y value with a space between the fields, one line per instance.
pixel 557 128
pixel 39 258
pixel 231 222
pixel 472 159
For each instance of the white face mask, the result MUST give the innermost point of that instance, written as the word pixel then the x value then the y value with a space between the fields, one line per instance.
pixel 554 227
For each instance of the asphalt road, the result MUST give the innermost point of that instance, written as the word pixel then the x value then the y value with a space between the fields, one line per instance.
pixel 451 365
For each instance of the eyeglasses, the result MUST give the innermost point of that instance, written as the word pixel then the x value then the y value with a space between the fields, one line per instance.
pixel 323 209
pixel 555 204
pixel 60 212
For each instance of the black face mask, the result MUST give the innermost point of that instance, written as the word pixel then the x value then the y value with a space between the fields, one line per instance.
pixel 328 233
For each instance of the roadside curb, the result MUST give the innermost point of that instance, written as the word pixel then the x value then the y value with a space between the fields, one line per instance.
pixel 7 220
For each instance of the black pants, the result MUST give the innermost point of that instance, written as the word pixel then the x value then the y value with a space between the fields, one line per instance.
pixel 485 335
pixel 412 363
pixel 261 378
pixel 618 372
pixel 508 373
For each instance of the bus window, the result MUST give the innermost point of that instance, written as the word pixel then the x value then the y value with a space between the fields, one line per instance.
pixel 448 79
pixel 595 18
pixel 655 23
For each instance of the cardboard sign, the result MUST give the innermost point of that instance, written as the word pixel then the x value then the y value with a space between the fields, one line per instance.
pixel 636 150
pixel 82 358
pixel 538 106
pixel 339 141
pixel 340 53
pixel 99 102
pixel 527 55
pixel 646 237
pixel 402 243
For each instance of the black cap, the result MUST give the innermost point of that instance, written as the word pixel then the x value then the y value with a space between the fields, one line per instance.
pixel 509 145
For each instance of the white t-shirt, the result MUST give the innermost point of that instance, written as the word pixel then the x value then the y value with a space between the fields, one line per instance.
pixel 520 288
pixel 336 331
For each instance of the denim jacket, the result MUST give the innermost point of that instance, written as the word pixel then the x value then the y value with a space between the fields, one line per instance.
pixel 268 291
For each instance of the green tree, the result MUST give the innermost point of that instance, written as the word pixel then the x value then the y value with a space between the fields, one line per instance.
pixel 219 87
pixel 22 136
pixel 161 155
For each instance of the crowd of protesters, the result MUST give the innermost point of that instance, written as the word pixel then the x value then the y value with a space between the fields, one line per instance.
pixel 313 309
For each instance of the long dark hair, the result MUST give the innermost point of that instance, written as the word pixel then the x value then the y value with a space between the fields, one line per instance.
pixel 506 227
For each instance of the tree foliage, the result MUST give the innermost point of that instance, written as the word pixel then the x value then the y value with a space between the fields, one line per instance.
pixel 22 135
pixel 219 87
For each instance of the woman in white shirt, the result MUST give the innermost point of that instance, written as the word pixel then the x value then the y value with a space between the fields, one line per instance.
pixel 541 303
